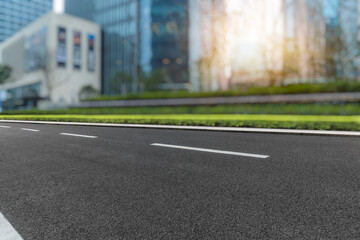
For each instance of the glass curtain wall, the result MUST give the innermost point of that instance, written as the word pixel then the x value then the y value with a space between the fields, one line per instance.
pixel 118 20
pixel 15 15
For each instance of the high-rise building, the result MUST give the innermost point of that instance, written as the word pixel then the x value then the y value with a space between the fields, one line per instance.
pixel 52 60
pixel 322 39
pixel 332 29
pixel 16 14
pixel 348 38
pixel 169 40
pixel 207 46
pixel 305 34
pixel 139 37
pixel 119 22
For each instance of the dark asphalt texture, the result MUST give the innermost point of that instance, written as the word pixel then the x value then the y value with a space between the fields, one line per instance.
pixel 118 186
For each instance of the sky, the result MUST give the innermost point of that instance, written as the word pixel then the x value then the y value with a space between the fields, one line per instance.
pixel 256 27
pixel 59 6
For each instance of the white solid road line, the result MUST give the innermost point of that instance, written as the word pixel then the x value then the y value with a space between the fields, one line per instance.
pixel 5 127
pixel 200 128
pixel 211 151
pixel 77 135
pixel 7 231
pixel 30 130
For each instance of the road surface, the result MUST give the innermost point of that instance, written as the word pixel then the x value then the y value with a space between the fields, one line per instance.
pixel 74 182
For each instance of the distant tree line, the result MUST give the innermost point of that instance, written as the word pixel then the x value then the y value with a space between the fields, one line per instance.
pixel 5 73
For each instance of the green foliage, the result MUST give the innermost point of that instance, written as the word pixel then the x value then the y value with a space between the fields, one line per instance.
pixel 88 92
pixel 281 109
pixel 327 87
pixel 154 80
pixel 121 83
pixel 344 123
pixel 5 73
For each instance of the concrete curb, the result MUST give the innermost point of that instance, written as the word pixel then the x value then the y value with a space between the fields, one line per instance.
pixel 285 98
pixel 198 128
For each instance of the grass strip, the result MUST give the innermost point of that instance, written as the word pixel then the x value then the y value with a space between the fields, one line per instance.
pixel 329 86
pixel 344 123
pixel 275 109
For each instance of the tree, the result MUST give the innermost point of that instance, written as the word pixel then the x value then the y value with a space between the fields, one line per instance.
pixel 121 83
pixel 324 45
pixel 5 73
pixel 206 69
pixel 342 45
pixel 156 78
pixel 88 92
pixel 42 64
pixel 212 67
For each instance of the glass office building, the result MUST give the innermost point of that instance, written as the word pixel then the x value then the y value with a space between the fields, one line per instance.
pixel 139 36
pixel 118 20
pixel 342 38
pixel 170 40
pixel 16 14
pixel 349 22
pixel 330 37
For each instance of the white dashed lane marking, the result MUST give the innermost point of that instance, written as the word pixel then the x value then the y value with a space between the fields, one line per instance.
pixel 211 150
pixel 30 130
pixel 77 135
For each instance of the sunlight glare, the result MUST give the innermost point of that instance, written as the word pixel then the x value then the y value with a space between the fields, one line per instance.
pixel 255 27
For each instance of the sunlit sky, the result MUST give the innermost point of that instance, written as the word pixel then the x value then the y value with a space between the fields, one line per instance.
pixel 59 6
pixel 256 26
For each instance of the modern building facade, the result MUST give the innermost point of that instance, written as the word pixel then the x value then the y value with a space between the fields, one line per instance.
pixel 305 34
pixel 332 30
pixel 169 40
pixel 207 48
pixel 52 59
pixel 322 39
pixel 139 37
pixel 119 22
pixel 15 14
pixel 348 41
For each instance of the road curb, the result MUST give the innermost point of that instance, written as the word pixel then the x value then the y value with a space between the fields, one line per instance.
pixel 255 99
pixel 198 128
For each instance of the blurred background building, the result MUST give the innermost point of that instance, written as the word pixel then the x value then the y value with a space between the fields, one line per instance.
pixel 204 45
pixel 305 38
pixel 169 41
pixel 321 40
pixel 15 14
pixel 141 39
pixel 120 49
pixel 148 42
pixel 208 45
pixel 51 59
pixel 348 38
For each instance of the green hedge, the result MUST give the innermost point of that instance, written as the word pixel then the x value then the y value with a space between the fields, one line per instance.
pixel 345 123
pixel 327 87
pixel 289 109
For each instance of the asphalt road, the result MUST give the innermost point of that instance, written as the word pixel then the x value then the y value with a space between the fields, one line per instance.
pixel 114 183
